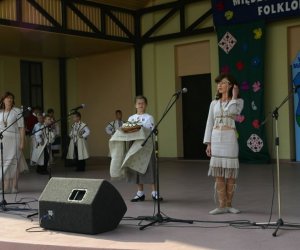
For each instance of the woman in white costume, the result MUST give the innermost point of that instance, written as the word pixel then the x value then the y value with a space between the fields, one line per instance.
pixel 12 121
pixel 78 150
pixel 221 139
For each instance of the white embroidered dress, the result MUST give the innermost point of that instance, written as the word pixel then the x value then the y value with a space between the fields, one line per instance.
pixel 13 157
pixel 221 133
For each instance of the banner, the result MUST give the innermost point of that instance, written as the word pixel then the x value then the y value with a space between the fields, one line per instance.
pixel 296 83
pixel 241 53
pixel 240 11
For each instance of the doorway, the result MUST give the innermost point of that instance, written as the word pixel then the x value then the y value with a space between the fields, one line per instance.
pixel 195 105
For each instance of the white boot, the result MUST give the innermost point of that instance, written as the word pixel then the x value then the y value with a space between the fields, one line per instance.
pixel 220 189
pixel 230 188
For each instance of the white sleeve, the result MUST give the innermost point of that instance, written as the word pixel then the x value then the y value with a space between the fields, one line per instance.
pixel 86 132
pixel 109 128
pixel 235 106
pixel 71 131
pixel 209 123
pixel 52 136
pixel 38 136
pixel 19 114
pixel 149 122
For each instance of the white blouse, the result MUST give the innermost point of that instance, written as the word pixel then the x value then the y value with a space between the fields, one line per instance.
pixel 146 120
pixel 222 114
pixel 13 116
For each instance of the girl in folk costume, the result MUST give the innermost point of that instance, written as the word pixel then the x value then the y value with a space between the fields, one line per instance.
pixel 147 121
pixel 221 139
pixel 78 146
pixel 44 138
pixel 12 122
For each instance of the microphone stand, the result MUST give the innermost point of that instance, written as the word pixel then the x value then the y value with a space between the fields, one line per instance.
pixel 50 169
pixel 158 218
pixel 3 203
pixel 279 223
pixel 50 125
pixel 49 143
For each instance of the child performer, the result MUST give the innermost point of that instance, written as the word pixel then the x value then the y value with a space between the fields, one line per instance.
pixel 36 128
pixel 147 121
pixel 41 154
pixel 78 146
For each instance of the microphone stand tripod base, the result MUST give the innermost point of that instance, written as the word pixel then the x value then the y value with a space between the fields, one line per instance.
pixel 3 204
pixel 158 218
pixel 279 223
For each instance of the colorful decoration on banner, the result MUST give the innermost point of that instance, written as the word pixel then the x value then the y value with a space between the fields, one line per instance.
pixel 296 85
pixel 256 86
pixel 255 143
pixel 227 42
pixel 257 33
pixel 253 106
pixel 241 51
pixel 241 11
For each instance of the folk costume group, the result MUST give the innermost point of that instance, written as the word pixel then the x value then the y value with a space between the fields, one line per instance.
pixel 42 131
pixel 44 134
pixel 220 137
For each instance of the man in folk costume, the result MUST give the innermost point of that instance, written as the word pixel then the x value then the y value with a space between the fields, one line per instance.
pixel 41 153
pixel 78 145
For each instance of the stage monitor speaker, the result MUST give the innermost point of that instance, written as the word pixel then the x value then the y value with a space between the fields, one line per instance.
pixel 88 206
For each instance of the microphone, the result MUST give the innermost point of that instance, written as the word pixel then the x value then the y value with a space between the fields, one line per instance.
pixel 296 87
pixel 182 91
pixel 79 107
pixel 24 108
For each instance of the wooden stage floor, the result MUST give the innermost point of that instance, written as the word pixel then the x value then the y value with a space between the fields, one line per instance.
pixel 188 195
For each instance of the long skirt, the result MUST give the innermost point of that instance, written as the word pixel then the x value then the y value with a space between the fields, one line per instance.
pixel 13 157
pixel 224 160
pixel 147 178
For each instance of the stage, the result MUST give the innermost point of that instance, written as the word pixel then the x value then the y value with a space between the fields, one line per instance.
pixel 188 195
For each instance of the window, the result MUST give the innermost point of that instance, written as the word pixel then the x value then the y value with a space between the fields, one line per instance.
pixel 32 84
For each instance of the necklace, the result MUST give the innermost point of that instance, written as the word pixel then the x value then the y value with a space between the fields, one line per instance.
pixel 5 120
pixel 222 109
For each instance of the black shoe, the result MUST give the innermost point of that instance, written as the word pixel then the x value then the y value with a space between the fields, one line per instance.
pixel 138 198
pixel 155 198
pixel 39 169
pixel 44 172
